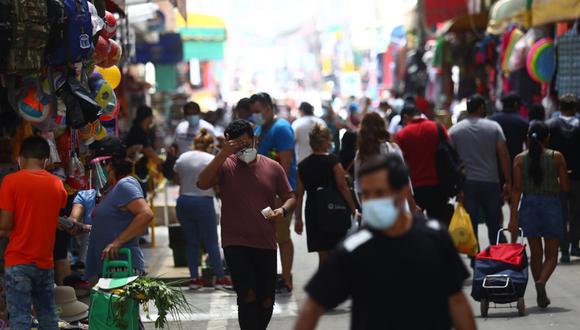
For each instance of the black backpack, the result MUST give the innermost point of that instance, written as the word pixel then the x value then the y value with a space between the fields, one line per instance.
pixel 450 169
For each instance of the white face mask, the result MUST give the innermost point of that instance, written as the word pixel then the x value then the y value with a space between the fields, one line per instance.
pixel 380 213
pixel 248 155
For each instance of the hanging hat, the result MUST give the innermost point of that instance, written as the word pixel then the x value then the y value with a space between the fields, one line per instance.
pixel 71 310
pixel 32 104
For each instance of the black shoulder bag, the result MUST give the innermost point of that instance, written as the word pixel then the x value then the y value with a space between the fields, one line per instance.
pixel 333 213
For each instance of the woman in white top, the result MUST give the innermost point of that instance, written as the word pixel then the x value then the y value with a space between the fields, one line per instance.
pixel 196 213
pixel 373 139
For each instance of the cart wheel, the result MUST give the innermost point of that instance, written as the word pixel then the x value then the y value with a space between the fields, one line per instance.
pixel 521 307
pixel 484 307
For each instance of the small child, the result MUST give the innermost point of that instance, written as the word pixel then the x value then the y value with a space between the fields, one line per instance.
pixel 30 200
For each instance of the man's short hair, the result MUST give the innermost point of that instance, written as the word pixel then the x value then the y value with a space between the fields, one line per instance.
pixel 238 128
pixel 35 147
pixel 474 103
pixel 568 102
pixel 511 101
pixel 393 164
pixel 263 98
pixel 243 105
pixel 306 108
pixel 191 106
pixel 410 110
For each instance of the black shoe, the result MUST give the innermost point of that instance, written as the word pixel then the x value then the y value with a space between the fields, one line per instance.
pixel 282 287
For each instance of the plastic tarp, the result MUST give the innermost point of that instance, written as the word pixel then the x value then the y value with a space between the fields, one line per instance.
pixel 550 11
pixel 437 11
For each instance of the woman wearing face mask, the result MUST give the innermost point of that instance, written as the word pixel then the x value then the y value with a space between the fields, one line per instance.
pixel 320 169
pixel 373 140
pixel 540 174
pixel 196 213
pixel 121 215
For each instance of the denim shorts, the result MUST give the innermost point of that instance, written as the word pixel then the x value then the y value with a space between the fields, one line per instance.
pixel 541 216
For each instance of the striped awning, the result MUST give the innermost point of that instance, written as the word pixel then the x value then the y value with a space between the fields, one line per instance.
pixel 505 12
pixel 203 36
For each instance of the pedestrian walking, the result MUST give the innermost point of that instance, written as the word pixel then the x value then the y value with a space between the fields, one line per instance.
pixel 196 213
pixel 320 170
pixel 540 174
pixel 565 138
pixel 249 184
pixel 190 126
pixel 481 145
pixel 418 141
pixel 30 200
pixel 419 286
pixel 373 139
pixel 514 127
pixel 276 141
pixel 302 127
pixel 122 214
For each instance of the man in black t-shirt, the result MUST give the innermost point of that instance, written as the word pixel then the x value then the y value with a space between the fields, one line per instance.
pixel 401 271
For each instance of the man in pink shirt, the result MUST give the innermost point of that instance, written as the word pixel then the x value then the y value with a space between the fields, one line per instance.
pixel 249 184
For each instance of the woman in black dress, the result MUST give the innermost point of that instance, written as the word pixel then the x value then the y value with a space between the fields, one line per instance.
pixel 319 170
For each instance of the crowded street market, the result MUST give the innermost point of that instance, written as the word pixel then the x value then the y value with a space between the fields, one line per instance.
pixel 277 164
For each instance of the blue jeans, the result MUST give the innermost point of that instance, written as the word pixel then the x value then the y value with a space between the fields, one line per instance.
pixel 28 285
pixel 484 196
pixel 198 220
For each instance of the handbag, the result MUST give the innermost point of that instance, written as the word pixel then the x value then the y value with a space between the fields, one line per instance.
pixel 333 213
pixel 81 108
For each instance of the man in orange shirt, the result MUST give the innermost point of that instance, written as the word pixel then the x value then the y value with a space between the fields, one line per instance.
pixel 30 200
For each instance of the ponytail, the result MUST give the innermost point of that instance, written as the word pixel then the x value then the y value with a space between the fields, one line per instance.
pixel 537 136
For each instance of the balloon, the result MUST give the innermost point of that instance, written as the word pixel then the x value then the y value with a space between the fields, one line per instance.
pixel 103 95
pixel 113 56
pixel 102 48
pixel 541 61
pixel 112 75
pixel 110 26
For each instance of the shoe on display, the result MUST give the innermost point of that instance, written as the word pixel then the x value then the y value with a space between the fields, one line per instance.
pixel 565 259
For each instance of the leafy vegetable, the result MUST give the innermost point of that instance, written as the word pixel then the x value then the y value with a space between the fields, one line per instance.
pixel 167 297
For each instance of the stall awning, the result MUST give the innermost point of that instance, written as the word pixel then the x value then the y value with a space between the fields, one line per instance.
pixel 550 11
pixel 203 37
pixel 437 11
pixel 505 12
pixel 464 23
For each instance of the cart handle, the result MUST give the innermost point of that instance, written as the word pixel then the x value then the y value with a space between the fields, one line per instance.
pixel 507 282
pixel 521 235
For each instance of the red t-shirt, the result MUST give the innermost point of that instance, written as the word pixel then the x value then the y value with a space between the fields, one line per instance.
pixel 245 191
pixel 35 199
pixel 418 141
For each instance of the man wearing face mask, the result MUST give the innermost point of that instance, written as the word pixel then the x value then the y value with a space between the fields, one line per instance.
pixel 30 200
pixel 419 284
pixel 277 143
pixel 249 184
pixel 191 125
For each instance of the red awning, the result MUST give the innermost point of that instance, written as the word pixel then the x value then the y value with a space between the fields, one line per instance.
pixel 437 11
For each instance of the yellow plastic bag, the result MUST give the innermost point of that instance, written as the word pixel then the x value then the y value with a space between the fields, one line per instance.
pixel 461 232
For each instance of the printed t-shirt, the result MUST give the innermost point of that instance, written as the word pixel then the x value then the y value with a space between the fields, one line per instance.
pixel 245 191
pixel 277 138
pixel 35 199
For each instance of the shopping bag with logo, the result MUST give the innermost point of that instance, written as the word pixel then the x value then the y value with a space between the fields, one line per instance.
pixel 461 232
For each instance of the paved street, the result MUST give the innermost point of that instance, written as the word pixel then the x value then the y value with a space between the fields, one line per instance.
pixel 216 310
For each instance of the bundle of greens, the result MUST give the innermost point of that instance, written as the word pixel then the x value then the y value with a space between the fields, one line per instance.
pixel 167 297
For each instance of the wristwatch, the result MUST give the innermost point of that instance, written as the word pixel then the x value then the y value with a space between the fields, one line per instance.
pixel 284 211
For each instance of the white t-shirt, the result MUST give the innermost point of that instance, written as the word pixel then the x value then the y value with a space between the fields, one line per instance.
pixel 188 166
pixel 302 127
pixel 184 134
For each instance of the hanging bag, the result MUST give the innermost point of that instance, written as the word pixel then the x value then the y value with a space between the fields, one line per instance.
pixel 81 108
pixel 461 232
pixel 333 213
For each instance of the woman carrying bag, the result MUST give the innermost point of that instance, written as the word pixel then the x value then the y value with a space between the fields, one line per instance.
pixel 329 202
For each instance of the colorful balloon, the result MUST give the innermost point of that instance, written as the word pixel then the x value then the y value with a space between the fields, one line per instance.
pixel 112 75
pixel 541 61
pixel 113 56
pixel 103 95
pixel 102 48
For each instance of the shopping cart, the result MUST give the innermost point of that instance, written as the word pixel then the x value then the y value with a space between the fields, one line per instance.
pixel 501 275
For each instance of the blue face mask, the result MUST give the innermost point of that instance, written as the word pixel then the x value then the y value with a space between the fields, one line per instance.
pixel 257 119
pixel 380 213
pixel 193 120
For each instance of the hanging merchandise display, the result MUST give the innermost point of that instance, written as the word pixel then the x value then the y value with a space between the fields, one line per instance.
pixel 103 94
pixel 568 79
pixel 512 39
pixel 110 27
pixel 33 105
pixel 102 48
pixel 113 56
pixel 112 75
pixel 541 62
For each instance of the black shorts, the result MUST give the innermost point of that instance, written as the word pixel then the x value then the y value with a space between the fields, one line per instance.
pixel 254 270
